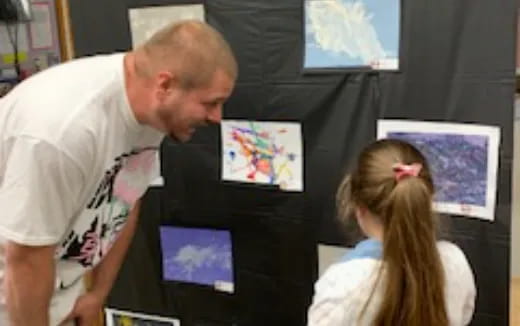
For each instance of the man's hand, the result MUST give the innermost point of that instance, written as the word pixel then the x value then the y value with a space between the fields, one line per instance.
pixel 86 310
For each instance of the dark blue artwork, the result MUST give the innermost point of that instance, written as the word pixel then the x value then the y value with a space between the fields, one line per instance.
pixel 202 256
pixel 459 164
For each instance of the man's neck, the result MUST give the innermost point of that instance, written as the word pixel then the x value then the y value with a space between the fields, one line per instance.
pixel 134 90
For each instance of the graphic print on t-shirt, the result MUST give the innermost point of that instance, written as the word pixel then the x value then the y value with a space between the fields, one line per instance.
pixel 106 213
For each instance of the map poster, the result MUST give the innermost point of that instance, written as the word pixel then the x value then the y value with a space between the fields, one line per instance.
pixel 114 317
pixel 359 34
pixel 463 160
pixel 194 255
pixel 263 152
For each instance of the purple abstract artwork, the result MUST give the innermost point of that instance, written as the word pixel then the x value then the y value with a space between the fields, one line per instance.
pixel 463 160
pixel 458 164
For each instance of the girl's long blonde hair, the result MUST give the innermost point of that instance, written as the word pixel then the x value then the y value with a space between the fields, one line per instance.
pixel 413 274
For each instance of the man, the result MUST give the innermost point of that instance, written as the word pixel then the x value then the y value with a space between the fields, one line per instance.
pixel 78 148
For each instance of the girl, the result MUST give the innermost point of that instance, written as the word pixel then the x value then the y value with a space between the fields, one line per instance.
pixel 402 275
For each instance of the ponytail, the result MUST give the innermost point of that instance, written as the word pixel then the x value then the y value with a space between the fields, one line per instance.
pixel 413 272
pixel 392 180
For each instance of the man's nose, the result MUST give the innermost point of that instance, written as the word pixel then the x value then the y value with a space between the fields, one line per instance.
pixel 215 115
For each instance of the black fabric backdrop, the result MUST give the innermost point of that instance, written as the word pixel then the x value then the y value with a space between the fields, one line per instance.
pixel 457 65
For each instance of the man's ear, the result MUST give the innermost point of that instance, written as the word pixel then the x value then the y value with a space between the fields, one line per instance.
pixel 166 82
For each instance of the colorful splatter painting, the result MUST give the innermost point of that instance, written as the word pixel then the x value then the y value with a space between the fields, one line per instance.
pixel 263 152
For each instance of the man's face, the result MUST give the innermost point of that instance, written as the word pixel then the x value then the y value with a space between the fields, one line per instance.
pixel 182 111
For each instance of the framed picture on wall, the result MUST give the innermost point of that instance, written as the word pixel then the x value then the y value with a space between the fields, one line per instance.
pixel 463 160
pixel 351 35
pixel 41 34
pixel 198 255
pixel 114 317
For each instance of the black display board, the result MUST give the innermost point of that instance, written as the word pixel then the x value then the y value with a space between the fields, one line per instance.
pixel 457 65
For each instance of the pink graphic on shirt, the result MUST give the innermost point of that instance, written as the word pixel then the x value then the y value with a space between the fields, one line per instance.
pixel 124 191
pixel 107 211
pixel 128 184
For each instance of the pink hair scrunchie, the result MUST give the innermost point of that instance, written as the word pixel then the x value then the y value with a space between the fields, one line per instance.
pixel 406 170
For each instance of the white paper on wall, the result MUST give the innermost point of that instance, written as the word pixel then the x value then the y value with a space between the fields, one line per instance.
pixel 328 255
pixel 145 21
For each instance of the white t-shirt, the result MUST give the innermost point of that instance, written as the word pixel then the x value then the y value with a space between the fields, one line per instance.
pixel 342 291
pixel 73 162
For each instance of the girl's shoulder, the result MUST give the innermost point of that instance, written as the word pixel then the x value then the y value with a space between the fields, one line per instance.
pixel 451 254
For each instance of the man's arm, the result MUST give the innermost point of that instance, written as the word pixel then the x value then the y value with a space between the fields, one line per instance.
pixel 104 275
pixel 88 307
pixel 28 283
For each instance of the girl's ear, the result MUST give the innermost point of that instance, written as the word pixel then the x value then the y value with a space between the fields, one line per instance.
pixel 360 212
pixel 361 219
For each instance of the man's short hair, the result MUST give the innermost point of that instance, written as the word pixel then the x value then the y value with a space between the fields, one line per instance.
pixel 192 50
